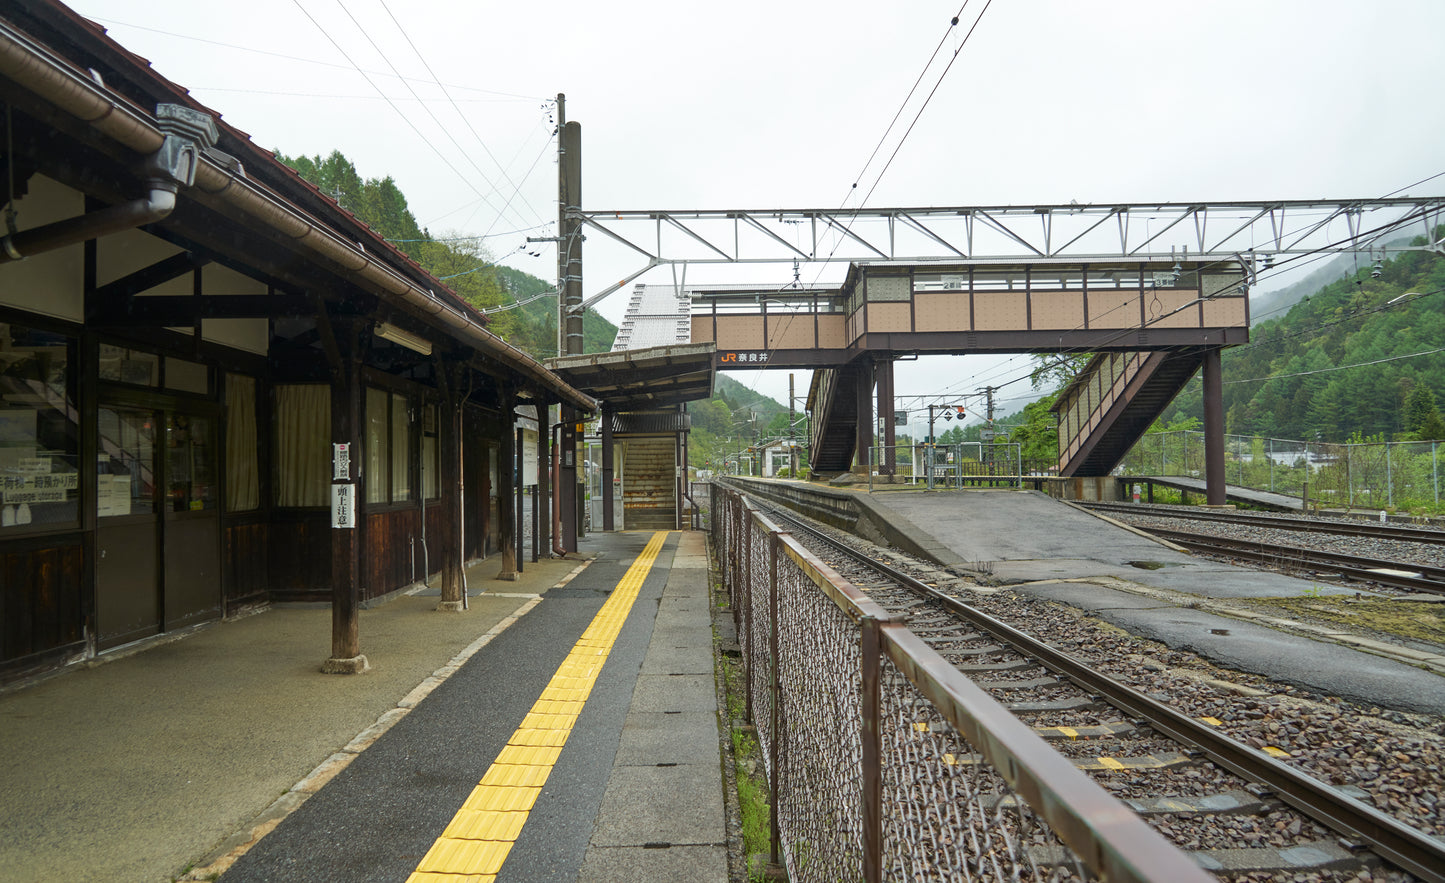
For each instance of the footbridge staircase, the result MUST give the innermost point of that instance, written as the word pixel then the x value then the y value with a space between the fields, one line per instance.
pixel 1113 401
pixel 833 402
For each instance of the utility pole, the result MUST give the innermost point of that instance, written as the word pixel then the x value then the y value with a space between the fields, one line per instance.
pixel 569 309
pixel 569 232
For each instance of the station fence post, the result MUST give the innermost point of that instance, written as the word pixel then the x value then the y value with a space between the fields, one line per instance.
pixel 747 619
pixel 775 834
pixel 871 708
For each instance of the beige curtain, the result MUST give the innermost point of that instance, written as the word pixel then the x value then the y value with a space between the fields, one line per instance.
pixel 400 449
pixel 303 445
pixel 243 481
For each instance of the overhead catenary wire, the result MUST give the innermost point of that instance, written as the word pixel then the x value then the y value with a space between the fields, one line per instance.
pixel 392 104
pixel 953 22
pixel 516 187
pixel 440 125
pixel 510 96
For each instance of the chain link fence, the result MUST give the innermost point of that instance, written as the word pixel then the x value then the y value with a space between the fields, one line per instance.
pixel 887 763
pixel 1368 475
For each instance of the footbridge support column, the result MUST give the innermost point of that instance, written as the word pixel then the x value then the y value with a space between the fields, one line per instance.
pixel 863 459
pixel 1214 473
pixel 883 372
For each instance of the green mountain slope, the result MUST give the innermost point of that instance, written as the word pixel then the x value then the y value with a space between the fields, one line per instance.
pixel 1343 361
pixel 463 263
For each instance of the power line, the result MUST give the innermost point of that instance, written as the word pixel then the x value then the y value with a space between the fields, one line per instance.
pixel 516 188
pixel 507 95
pixel 1338 367
pixel 379 91
pixel 445 131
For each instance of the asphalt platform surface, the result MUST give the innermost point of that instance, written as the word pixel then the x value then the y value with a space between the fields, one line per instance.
pixel 1041 546
pixel 227 751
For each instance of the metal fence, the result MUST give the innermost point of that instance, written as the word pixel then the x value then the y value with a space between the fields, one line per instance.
pixel 966 464
pixel 1370 475
pixel 884 761
pixel 700 493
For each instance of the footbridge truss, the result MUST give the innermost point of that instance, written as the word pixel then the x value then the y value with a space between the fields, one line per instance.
pixel 1154 290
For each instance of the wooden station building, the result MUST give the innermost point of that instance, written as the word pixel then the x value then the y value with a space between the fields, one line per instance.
pixel 217 387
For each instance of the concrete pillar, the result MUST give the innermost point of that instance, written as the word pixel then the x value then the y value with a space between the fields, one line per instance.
pixel 865 415
pixel 884 371
pixel 1214 474
pixel 351 337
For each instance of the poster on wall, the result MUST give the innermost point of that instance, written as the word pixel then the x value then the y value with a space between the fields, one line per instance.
pixel 112 495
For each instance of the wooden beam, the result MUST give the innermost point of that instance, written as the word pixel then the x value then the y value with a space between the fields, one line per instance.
pixel 164 310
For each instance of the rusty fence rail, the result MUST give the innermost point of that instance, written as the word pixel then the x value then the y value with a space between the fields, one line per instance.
pixel 884 761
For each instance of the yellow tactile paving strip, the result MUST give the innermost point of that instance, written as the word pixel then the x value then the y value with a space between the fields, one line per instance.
pixel 474 845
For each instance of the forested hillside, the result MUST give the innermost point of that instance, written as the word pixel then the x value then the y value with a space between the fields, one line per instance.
pixel 462 262
pixel 1361 356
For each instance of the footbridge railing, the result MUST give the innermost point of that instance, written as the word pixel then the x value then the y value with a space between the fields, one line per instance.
pixel 884 761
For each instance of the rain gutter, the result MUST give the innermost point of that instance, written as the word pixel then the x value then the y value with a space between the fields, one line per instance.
pixel 227 189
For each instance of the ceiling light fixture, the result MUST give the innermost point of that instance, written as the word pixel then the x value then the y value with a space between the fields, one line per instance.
pixel 404 338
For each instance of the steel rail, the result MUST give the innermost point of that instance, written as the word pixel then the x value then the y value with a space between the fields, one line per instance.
pixel 1430 535
pixel 1376 570
pixel 1408 848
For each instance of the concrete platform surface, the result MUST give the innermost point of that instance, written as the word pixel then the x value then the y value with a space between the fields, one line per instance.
pixel 171 761
pixel 1041 546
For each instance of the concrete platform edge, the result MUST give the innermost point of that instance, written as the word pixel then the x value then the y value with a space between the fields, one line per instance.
pixel 232 848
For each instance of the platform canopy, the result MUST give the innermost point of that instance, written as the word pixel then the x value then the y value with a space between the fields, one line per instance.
pixel 631 380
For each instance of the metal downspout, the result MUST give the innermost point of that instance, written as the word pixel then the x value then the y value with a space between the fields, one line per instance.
pixel 171 167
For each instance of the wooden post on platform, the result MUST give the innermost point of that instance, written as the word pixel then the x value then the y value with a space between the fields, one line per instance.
pixel 346 347
pixel 449 480
pixel 506 479
pixel 542 505
pixel 608 468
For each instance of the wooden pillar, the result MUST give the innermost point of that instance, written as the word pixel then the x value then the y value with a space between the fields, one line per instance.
pixel 348 351
pixel 449 477
pixel 1214 491
pixel 506 490
pixel 608 465
pixel 543 504
pixel 567 503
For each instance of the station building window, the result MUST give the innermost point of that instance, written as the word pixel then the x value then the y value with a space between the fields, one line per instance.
pixel 301 471
pixel 39 430
pixel 430 460
pixel 388 447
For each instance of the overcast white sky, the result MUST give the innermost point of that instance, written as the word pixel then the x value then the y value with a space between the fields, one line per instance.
pixel 779 105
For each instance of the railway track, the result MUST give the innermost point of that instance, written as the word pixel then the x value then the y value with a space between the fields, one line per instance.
pixel 1397 574
pixel 1320 545
pixel 1206 791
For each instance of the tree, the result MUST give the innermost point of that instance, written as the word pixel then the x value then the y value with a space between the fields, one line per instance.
pixel 1053 371
pixel 1422 415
